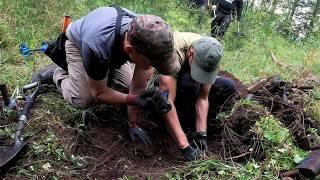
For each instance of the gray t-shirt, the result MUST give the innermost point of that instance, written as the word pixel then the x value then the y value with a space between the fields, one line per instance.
pixel 94 35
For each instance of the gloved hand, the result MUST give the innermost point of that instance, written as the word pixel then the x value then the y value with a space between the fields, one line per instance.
pixel 150 100
pixel 137 132
pixel 200 140
pixel 190 153
pixel 213 7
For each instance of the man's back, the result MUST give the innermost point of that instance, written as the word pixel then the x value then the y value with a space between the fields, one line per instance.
pixel 228 5
pixel 97 31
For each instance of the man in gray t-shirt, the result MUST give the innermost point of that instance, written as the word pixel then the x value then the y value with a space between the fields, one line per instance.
pixel 104 69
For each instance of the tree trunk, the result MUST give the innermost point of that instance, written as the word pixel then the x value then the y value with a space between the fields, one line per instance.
pixel 314 18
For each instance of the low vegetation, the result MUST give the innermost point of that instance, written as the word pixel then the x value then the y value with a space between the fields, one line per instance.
pixel 265 50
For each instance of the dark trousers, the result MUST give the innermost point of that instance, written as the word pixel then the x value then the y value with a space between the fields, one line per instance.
pixel 220 23
pixel 221 92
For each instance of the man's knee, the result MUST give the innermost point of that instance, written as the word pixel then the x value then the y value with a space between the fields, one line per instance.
pixel 81 102
pixel 225 86
pixel 78 97
pixel 120 79
pixel 226 21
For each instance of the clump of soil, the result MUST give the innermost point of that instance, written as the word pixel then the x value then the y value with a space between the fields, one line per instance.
pixel 232 136
pixel 286 101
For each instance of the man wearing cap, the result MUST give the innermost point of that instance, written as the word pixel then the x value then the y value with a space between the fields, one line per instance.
pixel 101 51
pixel 191 88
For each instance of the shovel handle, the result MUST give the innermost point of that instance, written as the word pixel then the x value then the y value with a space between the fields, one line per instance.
pixel 5 94
pixel 65 23
pixel 30 86
pixel 23 119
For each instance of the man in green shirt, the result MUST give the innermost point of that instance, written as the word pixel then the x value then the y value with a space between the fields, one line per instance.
pixel 192 86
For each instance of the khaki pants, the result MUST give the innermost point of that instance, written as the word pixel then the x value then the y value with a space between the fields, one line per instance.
pixel 74 86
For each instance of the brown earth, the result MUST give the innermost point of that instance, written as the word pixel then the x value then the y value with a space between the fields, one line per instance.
pixel 105 141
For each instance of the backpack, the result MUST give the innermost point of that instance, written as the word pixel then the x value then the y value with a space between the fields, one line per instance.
pixel 56 48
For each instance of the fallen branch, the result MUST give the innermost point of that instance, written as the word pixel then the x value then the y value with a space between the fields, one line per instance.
pixel 275 60
pixel 236 157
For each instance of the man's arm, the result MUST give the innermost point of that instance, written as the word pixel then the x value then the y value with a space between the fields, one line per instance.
pixel 105 95
pixel 171 118
pixel 202 107
pixel 138 84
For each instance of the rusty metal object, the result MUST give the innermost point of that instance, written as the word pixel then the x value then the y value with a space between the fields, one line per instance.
pixel 258 85
pixel 310 166
pixel 287 174
pixel 284 97
pixel 277 82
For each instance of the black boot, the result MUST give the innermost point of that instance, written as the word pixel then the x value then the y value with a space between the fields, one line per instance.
pixel 45 75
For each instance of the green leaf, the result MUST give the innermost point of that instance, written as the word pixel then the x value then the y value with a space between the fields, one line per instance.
pixel 296 158
pixel 269 136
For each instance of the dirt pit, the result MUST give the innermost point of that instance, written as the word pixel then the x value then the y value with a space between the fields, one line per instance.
pixel 230 139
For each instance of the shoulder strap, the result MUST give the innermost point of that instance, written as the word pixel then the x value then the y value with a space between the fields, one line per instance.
pixel 117 59
pixel 121 13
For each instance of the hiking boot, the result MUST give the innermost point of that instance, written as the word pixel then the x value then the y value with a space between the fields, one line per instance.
pixel 45 75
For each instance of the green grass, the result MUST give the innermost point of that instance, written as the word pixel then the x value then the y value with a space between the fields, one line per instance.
pixel 247 58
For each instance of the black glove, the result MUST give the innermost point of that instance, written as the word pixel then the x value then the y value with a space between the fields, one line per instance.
pixel 151 100
pixel 199 139
pixel 190 153
pixel 141 134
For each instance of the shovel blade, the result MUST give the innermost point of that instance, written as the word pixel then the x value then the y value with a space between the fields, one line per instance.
pixel 9 152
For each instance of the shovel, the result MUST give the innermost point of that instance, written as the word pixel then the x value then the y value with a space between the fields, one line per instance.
pixel 7 152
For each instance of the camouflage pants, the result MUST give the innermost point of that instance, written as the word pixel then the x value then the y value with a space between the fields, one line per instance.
pixel 220 23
